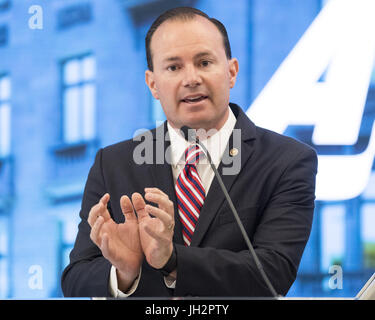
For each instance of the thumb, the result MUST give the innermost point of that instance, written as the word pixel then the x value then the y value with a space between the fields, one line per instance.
pixel 139 205
pixel 127 208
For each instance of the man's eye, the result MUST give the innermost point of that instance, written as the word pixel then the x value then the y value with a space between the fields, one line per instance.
pixel 172 68
pixel 205 63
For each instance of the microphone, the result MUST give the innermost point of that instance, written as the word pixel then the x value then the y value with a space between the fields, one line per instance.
pixel 191 136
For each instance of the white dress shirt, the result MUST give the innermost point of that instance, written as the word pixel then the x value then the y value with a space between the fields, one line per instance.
pixel 215 145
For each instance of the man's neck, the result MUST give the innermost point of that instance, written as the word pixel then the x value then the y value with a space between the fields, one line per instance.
pixel 205 132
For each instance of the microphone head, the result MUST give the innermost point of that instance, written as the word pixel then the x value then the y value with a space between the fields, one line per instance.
pixel 189 134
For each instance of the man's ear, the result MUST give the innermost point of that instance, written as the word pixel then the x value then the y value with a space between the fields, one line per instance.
pixel 150 81
pixel 233 71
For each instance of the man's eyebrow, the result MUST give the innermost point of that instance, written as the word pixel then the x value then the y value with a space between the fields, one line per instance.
pixel 197 56
pixel 203 54
pixel 169 59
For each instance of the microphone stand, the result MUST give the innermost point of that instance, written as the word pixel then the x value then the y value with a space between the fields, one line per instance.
pixel 191 135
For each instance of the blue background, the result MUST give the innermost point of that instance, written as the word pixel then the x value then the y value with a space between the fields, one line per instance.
pixel 90 54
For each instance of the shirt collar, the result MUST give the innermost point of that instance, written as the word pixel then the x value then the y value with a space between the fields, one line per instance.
pixel 215 144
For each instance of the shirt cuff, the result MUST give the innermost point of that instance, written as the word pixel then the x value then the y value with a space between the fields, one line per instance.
pixel 113 286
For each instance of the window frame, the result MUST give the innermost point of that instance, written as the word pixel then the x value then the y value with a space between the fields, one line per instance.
pixel 80 85
pixel 3 103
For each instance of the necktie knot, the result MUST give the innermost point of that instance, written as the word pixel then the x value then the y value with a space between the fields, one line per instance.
pixel 192 154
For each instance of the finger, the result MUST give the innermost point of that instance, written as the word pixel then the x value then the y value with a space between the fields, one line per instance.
pixel 139 205
pixel 104 200
pixel 100 209
pixel 95 231
pixel 127 208
pixel 94 214
pixel 157 190
pixel 162 215
pixel 103 205
pixel 161 200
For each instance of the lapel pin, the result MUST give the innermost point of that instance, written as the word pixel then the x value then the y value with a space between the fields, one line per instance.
pixel 233 152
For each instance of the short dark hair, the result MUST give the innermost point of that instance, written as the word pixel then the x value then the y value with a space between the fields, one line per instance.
pixel 183 13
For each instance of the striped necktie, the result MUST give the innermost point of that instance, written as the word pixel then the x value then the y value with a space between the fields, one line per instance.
pixel 190 193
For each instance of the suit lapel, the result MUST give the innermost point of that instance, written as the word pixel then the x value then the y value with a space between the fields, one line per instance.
pixel 163 176
pixel 215 197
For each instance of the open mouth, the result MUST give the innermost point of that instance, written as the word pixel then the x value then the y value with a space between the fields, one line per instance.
pixel 194 99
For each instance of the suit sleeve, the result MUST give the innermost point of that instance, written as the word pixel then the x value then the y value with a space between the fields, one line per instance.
pixel 87 274
pixel 279 241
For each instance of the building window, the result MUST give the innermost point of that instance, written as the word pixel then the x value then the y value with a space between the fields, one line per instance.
pixel 5 91
pixel 74 15
pixel 4 35
pixel 79 99
pixel 368 235
pixel 332 236
pixel 69 233
pixel 4 5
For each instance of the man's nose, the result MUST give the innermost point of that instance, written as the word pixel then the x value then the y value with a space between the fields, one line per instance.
pixel 192 77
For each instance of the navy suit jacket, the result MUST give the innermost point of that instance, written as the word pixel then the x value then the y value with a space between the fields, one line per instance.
pixel 273 193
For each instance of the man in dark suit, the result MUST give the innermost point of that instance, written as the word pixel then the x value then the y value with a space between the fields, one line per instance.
pixel 135 238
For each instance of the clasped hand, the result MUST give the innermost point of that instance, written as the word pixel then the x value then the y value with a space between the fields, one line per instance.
pixel 147 232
